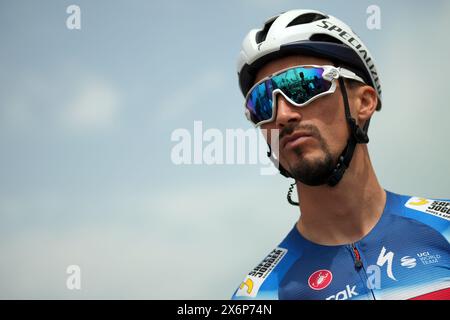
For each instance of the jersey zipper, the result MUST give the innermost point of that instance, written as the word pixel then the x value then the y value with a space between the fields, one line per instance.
pixel 358 263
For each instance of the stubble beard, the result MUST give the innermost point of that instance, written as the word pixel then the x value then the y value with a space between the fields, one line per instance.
pixel 312 172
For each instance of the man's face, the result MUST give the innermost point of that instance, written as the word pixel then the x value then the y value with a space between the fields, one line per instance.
pixel 312 157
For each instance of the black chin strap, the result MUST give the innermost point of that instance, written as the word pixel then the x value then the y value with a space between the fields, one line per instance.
pixel 357 135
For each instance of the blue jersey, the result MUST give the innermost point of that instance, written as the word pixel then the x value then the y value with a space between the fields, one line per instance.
pixel 405 256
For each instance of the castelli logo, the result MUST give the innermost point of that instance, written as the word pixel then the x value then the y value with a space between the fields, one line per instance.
pixel 320 279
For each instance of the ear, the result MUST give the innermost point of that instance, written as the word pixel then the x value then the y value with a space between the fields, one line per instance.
pixel 366 98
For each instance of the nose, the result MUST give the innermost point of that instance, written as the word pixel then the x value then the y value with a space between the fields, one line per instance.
pixel 286 112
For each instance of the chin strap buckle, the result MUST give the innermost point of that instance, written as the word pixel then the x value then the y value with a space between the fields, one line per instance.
pixel 338 172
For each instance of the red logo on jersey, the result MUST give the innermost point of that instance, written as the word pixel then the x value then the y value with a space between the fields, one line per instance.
pixel 320 279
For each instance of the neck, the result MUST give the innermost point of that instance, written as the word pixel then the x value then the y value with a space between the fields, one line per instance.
pixel 346 212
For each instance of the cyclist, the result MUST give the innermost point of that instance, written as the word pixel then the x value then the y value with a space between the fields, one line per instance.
pixel 308 77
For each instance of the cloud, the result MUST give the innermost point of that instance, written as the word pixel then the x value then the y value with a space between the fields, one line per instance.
pixel 66 98
pixel 96 106
pixel 189 94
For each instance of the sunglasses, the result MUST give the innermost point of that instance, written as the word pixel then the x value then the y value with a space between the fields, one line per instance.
pixel 300 86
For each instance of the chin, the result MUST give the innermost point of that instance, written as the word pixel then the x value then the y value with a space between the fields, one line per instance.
pixel 297 155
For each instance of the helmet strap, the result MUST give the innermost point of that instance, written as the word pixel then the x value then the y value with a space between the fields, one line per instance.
pixel 357 135
pixel 277 164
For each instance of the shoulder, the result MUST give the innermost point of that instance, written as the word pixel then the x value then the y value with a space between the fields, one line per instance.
pixel 433 214
pixel 262 282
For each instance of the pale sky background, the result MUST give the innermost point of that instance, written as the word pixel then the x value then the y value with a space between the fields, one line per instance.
pixel 86 118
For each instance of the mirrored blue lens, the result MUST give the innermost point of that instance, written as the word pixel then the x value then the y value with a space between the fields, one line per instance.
pixel 259 102
pixel 300 84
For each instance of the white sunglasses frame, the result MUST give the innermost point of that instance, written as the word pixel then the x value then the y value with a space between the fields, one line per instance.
pixel 330 73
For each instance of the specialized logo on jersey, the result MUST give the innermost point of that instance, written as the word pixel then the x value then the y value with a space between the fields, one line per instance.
pixel 251 284
pixel 386 257
pixel 436 208
pixel 320 279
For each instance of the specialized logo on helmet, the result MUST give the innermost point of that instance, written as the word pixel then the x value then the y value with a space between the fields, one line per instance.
pixel 320 279
pixel 356 44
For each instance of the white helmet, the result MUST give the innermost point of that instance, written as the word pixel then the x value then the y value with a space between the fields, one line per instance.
pixel 308 32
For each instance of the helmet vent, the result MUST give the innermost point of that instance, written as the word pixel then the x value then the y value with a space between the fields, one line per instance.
pixel 261 35
pixel 306 18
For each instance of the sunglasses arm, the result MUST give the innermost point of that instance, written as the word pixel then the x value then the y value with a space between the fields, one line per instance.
pixel 345 73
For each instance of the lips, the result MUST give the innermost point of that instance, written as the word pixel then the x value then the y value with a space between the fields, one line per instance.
pixel 292 137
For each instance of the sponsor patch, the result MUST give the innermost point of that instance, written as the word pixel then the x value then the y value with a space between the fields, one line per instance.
pixel 320 279
pixel 253 281
pixel 408 262
pixel 348 293
pixel 436 208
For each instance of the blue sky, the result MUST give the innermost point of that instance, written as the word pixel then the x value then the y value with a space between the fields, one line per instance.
pixel 86 118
